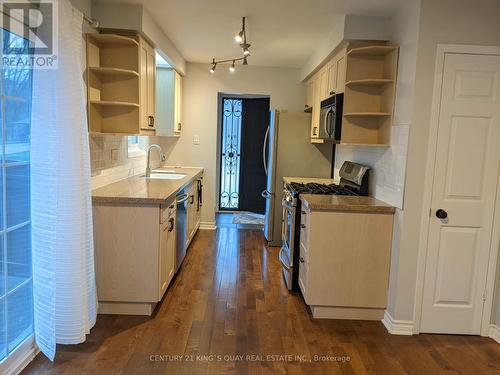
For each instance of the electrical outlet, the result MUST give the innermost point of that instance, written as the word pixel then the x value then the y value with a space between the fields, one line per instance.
pixel 196 139
pixel 114 154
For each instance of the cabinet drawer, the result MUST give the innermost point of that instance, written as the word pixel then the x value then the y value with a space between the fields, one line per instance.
pixel 166 211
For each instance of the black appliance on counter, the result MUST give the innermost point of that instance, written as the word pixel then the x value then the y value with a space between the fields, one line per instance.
pixel 353 182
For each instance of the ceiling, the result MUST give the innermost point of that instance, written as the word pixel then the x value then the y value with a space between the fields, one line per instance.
pixel 283 33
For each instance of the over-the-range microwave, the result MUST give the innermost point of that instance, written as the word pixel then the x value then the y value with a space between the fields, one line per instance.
pixel 330 118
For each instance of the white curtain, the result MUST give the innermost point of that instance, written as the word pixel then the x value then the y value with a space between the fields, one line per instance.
pixel 63 255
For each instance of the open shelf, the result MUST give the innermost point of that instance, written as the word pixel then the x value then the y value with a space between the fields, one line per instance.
pixel 371 50
pixel 365 114
pixel 112 40
pixel 369 82
pixel 102 71
pixel 114 103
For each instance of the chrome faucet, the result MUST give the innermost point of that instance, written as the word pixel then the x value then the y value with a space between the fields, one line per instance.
pixel 162 158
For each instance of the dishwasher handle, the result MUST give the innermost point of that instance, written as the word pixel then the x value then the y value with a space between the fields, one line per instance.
pixel 182 198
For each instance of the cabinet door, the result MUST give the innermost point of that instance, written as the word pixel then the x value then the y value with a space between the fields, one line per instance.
pixel 166 261
pixel 316 108
pixel 323 83
pixel 148 84
pixel 197 205
pixel 309 93
pixel 178 104
pixel 151 87
pixel 332 77
pixel 340 84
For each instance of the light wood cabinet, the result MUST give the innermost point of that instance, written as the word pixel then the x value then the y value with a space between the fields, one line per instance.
pixel 135 248
pixel 167 249
pixel 120 84
pixel 366 73
pixel 194 208
pixel 344 263
pixel 178 103
pixel 169 102
pixel 148 86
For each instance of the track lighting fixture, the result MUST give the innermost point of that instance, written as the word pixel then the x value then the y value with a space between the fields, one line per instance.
pixel 240 38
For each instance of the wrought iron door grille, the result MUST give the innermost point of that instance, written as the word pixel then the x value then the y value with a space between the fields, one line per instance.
pixel 230 154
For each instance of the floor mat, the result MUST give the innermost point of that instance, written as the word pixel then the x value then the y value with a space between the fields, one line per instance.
pixel 248 218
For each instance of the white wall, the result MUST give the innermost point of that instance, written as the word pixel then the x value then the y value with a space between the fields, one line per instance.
pixel 200 113
pixel 444 21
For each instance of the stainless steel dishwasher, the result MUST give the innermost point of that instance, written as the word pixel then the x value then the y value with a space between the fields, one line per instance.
pixel 181 232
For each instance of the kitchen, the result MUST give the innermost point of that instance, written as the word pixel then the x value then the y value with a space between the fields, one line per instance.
pixel 354 168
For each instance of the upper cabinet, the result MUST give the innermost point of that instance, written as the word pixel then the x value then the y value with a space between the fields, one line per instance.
pixel 168 102
pixel 148 87
pixel 366 74
pixel 120 84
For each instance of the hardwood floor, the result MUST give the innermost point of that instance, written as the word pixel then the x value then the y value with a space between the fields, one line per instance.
pixel 228 311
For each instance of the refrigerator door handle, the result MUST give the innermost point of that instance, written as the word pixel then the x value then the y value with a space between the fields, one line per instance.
pixel 264 161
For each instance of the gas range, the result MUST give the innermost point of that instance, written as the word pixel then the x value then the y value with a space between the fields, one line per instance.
pixel 353 182
pixel 316 188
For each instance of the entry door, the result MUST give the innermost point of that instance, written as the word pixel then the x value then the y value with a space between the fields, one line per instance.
pixel 465 179
pixel 252 173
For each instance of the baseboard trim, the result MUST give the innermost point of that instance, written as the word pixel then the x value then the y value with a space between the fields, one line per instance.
pixel 209 225
pixel 494 332
pixel 397 327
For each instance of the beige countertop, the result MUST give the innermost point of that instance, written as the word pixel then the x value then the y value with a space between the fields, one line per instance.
pixel 315 202
pixel 305 180
pixel 139 190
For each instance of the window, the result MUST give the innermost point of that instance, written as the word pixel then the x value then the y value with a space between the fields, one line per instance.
pixel 134 147
pixel 16 299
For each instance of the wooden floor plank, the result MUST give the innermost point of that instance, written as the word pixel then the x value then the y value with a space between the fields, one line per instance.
pixel 228 312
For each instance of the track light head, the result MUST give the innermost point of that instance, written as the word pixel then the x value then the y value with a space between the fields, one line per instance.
pixel 245 62
pixel 232 68
pixel 239 37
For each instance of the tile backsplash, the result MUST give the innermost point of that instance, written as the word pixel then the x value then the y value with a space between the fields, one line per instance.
pixel 110 162
pixel 387 177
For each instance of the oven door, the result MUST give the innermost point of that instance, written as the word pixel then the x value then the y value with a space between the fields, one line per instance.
pixel 288 234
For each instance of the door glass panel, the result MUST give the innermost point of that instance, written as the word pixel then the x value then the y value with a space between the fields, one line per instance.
pixel 19 315
pixel 230 154
pixel 18 257
pixel 18 194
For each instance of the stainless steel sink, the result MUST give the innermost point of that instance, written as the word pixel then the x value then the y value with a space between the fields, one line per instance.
pixel 165 175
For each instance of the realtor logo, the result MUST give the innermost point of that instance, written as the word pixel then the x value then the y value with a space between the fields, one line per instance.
pixel 31 37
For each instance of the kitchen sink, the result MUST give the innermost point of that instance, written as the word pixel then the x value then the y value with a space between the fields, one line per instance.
pixel 165 175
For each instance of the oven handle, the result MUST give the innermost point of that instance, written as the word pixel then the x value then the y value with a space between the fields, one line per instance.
pixel 283 264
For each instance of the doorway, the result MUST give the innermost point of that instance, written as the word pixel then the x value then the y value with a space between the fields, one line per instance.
pixel 243 122
pixel 465 173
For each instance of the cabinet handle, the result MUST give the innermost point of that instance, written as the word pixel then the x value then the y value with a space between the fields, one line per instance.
pixel 179 126
pixel 192 198
pixel 171 227
pixel 332 92
pixel 301 259
pixel 302 225
pixel 315 130
pixel 151 121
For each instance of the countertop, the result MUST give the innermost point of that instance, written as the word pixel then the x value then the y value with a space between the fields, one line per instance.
pixel 315 202
pixel 305 180
pixel 139 190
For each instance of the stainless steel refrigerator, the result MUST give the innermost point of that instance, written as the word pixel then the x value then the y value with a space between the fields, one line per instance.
pixel 288 152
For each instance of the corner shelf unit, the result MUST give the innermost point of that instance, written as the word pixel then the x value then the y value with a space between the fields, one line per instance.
pixel 113 84
pixel 369 95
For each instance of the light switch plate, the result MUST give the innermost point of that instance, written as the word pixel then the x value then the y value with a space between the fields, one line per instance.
pixel 196 139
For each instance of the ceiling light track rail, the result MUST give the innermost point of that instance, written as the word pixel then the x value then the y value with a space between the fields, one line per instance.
pixel 240 38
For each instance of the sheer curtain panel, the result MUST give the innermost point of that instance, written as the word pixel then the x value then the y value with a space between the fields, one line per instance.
pixel 65 303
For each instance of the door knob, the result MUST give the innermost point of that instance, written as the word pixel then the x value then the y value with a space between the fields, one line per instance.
pixel 441 214
pixel 301 260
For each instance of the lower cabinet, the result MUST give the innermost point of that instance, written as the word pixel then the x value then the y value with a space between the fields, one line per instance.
pixel 344 263
pixel 134 254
